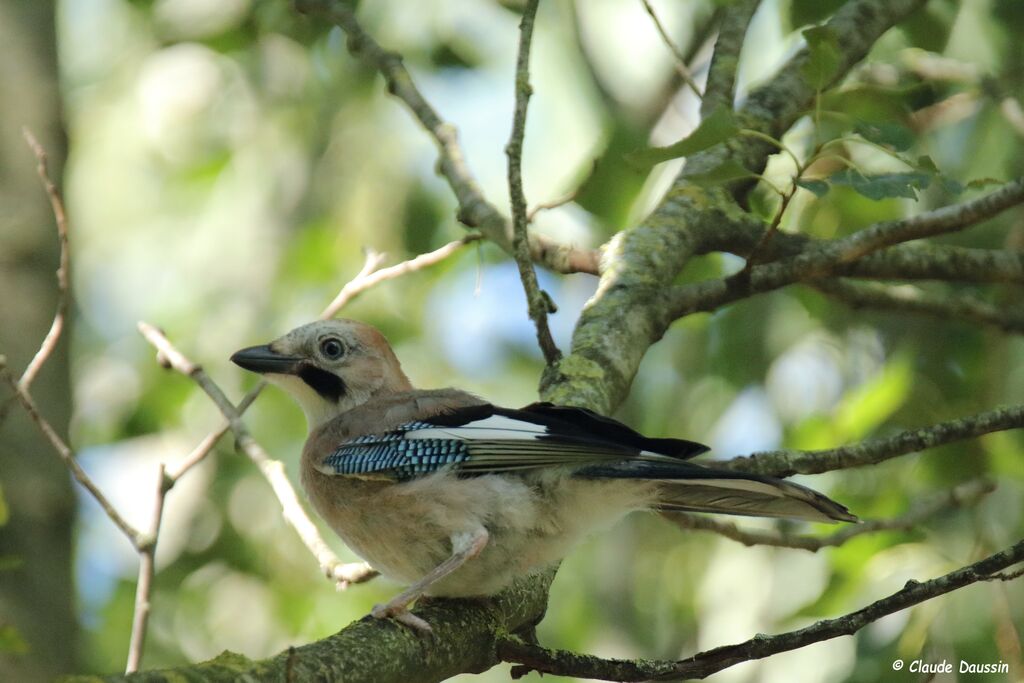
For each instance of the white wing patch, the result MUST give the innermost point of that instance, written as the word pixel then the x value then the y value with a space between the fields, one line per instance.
pixel 495 427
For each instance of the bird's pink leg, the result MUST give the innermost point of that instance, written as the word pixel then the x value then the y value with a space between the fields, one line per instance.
pixel 464 548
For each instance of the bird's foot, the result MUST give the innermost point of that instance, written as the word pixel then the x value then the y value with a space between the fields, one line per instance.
pixel 401 614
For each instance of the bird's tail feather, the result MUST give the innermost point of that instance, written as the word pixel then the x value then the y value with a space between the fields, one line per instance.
pixel 694 488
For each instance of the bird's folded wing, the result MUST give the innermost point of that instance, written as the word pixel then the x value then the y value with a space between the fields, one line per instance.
pixel 481 439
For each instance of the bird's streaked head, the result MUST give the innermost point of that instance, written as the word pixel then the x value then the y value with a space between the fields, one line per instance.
pixel 328 366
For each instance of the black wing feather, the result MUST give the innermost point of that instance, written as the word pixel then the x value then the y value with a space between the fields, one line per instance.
pixel 558 435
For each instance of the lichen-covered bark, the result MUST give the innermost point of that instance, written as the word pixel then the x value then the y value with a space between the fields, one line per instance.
pixel 721 84
pixel 785 463
pixel 383 651
pixel 628 312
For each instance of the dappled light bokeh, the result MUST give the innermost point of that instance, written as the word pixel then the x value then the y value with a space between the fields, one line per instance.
pixel 229 163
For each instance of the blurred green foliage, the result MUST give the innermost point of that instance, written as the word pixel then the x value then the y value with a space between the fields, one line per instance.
pixel 230 160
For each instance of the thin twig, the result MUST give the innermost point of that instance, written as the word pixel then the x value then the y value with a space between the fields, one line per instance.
pixel 566 198
pixel 372 274
pixel 961 496
pixel 147 568
pixel 1006 576
pixel 63 270
pixel 474 210
pixel 708 662
pixel 679 59
pixel 133 535
pixel 272 470
pixel 536 300
pixel 755 253
pixel 49 343
pixel 205 447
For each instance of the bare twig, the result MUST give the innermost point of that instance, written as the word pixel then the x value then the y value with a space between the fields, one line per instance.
pixel 204 447
pixel 343 574
pixel 706 663
pixel 679 59
pixel 755 255
pixel 372 274
pixel 537 301
pixel 474 209
pixel 1006 576
pixel 133 535
pixel 272 470
pixel 566 198
pixel 147 568
pixel 961 496
pixel 49 342
pixel 63 275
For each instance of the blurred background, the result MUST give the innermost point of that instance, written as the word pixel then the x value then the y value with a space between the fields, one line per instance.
pixel 227 162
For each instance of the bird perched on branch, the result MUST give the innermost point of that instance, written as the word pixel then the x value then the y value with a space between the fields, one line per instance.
pixel 457 497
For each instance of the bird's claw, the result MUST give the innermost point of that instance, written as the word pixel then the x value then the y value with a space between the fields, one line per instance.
pixel 402 615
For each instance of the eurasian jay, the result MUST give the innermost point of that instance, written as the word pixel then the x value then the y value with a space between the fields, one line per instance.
pixel 454 496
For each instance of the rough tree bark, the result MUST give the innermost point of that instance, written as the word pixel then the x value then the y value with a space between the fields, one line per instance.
pixel 36 594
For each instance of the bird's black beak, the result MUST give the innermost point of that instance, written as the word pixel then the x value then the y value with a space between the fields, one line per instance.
pixel 263 359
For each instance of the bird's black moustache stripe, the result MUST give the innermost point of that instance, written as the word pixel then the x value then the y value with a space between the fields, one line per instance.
pixel 327 384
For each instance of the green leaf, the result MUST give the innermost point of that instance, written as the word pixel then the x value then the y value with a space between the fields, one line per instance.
pixel 824 56
pixel 883 185
pixel 725 172
pixel 818 187
pixel 4 511
pixel 717 127
pixel 887 134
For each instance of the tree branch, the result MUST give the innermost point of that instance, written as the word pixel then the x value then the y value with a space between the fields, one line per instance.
pixel 372 274
pixel 147 569
pixel 785 463
pixel 706 663
pixel 134 536
pixel 679 59
pixel 627 314
pixel 474 209
pixel 739 234
pixel 939 262
pixel 53 335
pixel 828 257
pixel 537 300
pixel 720 89
pixel 382 651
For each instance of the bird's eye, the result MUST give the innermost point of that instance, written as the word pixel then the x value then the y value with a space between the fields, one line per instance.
pixel 331 348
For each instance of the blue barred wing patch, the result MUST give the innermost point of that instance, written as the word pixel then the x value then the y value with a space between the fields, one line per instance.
pixel 396 455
